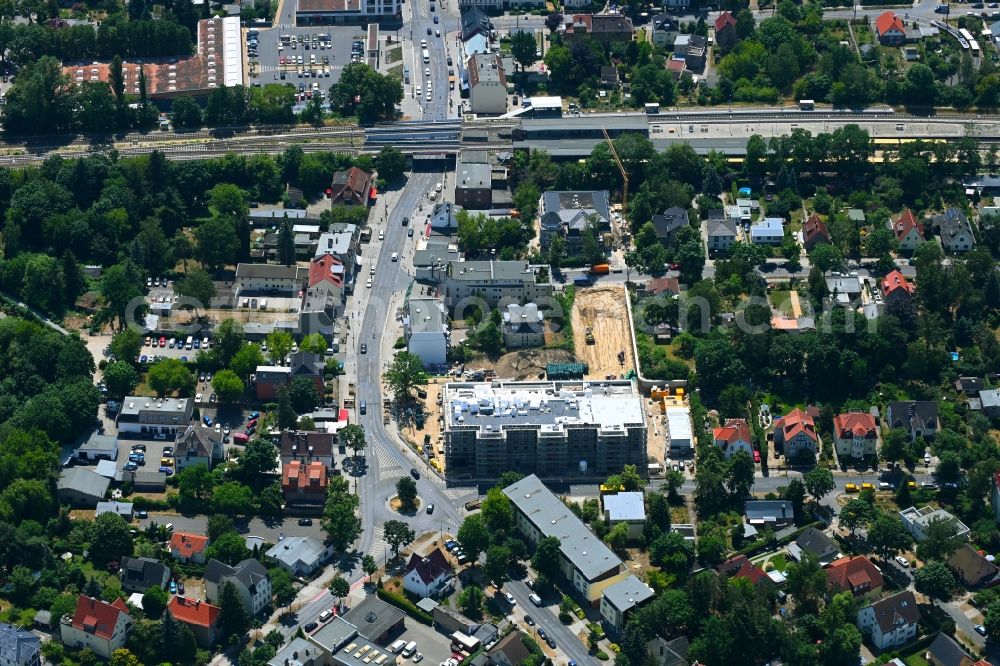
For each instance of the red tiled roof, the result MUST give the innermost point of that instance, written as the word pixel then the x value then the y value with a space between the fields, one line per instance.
pixel 658 285
pixel 193 611
pixel 98 617
pixel 906 221
pixel 858 424
pixel 725 18
pixel 889 21
pixel 326 267
pixel 893 281
pixel 852 572
pixel 733 431
pixel 428 568
pixel 741 567
pixel 310 478
pixel 187 543
pixel 813 229
pixel 797 421
pixel 351 186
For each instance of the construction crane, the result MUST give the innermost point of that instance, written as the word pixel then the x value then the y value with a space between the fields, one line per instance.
pixel 614 154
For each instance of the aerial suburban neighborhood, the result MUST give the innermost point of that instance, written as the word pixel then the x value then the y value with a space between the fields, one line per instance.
pixel 477 332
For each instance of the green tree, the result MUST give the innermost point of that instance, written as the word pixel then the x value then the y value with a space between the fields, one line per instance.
pixel 112 540
pixel 198 286
pixel 227 386
pixel 819 482
pixel 991 620
pixel 935 580
pixel 279 345
pixel 257 461
pixel 618 537
pixel 313 343
pixel 121 288
pixel 405 373
pixel 369 566
pixel 340 514
pixel 170 375
pixel 547 557
pixel 523 48
pixel 218 242
pixel 185 112
pixel 941 539
pixel 286 242
pixel 474 536
pixel 339 587
pixel 282 587
pixel 471 602
pixel 233 617
pixel 807 581
pixel 398 535
pixel 496 511
pixel 123 657
pixel 154 602
pixel 304 395
pixel 363 92
pixel 120 377
pixel 857 513
pixel 245 361
pixel 353 436
pixel 498 561
pixel 887 536
pixel 406 491
pixel 233 499
pixel 229 339
pixel 287 418
pixel 390 164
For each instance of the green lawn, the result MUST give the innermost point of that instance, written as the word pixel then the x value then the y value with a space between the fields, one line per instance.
pixel 917 660
pixel 779 561
pixel 780 300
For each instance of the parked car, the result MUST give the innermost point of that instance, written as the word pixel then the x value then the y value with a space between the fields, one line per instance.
pixel 305 522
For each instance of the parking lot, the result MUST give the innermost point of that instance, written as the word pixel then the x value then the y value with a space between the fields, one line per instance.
pixel 163 349
pixel 435 646
pixel 268 68
pixel 154 451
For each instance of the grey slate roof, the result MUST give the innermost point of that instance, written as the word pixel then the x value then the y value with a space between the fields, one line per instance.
pixel 83 481
pixel 477 271
pixel 913 414
pixel 195 441
pixel 373 617
pixel 817 543
pixel 272 271
pixel 669 653
pixel 99 443
pixel 573 208
pixel 669 221
pixel 946 652
pixel 952 223
pixel 552 518
pixel 902 606
pixel 475 21
pixel 720 227
pixel 18 646
pixel 143 572
pixel 249 572
pixel 123 509
pixel 627 593
pixel 305 549
pixel 766 509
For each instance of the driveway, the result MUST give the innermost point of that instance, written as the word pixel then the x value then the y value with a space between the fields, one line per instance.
pixel 546 617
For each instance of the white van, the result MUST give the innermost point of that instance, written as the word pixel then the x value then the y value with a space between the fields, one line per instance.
pixel 398 646
pixel 325 615
pixel 189 343
pixel 395 256
pixel 263 304
pixel 410 648
pixel 535 599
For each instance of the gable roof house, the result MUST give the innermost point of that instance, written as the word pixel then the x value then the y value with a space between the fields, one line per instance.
pixel 82 487
pixel 568 213
pixel 816 543
pixel 973 568
pixel 669 222
pixel 475 22
pixel 855 434
pixel 188 547
pixel 741 567
pixel 665 30
pixel 955 230
pixel 669 653
pixel 351 187
pixel 307 447
pixel 944 651
pixel 908 231
pixel 304 483
pixel 97 625
pixel 487 84
pixel 301 555
pixel 890 29
pixel 891 622
pixel 721 234
pixel 201 617
pixel 725 30
pixel 197 445
pixel 896 286
pixel 308 365
pixel 795 433
pixel 19 647
pixel 857 575
pixel 603 28
pixel 428 575
pixel 919 418
pixel 141 573
pixel 769 513
pixel 250 578
pixel 733 436
pixel 814 232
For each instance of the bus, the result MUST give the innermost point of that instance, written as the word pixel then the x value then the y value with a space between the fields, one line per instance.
pixel 807 105
pixel 427 56
pixel 652 108
pixel 966 35
pixel 974 47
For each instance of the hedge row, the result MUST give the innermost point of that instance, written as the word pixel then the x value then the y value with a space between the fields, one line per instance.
pixel 402 603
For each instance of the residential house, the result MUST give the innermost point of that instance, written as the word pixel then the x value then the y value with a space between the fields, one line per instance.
pixel 351 187
pixel 668 653
pixel 814 232
pixel 159 417
pixel 918 520
pixel 628 508
pixel 734 436
pixel 258 279
pixel 81 487
pixel 523 326
pixel 304 484
pixel 972 568
pixel 890 30
pixel 476 22
pixel 19 647
pixel 989 402
pixel 487 84
pixel 343 241
pixel 97 625
pixel 321 305
pixel 855 435
pixel 969 386
pixel 570 213
pixel 123 509
pixel 201 617
pixel 692 49
pixel 301 556
pixel 588 564
pixel 857 575
pixel 508 651
pixel 426 331
pixel 944 651
pixel 669 222
pixel 769 513
pixel 428 575
pixel 308 365
pixel 307 447
pixel 816 543
pixel 146 482
pixel 769 231
pixel 375 619
pixel 896 287
pixel 252 582
pixel 197 445
pixel 141 573
pixel 725 31
pixel 891 622
pixel 188 547
pixel 919 418
pixel 795 433
pixel 721 235
pixel 474 180
pixel 604 28
pixel 620 600
pixel 908 231
pixel 668 286
pixel 740 566
pixel 609 76
pixel 955 230
pixel 98 447
pixel 496 282
pixel 268 379
pixel 843 288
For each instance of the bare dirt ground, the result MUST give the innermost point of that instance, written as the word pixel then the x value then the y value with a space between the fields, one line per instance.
pixel 432 426
pixel 602 309
pixel 529 363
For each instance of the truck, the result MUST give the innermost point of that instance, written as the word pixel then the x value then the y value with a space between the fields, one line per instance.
pixel 600 269
pixel 582 281
pixel 366 234
pixel 589 335
pixel 349 400
pixel 652 108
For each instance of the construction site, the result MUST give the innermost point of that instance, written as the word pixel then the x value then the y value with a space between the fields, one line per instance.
pixel 602 335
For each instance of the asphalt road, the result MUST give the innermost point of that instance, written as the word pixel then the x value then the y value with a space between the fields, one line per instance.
pixel 547 618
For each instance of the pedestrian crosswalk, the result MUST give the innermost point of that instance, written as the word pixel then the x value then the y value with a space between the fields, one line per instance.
pixel 388 467
pixel 379 546
pixel 460 493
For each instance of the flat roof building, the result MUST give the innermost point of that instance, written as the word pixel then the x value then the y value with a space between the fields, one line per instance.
pixel 553 429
